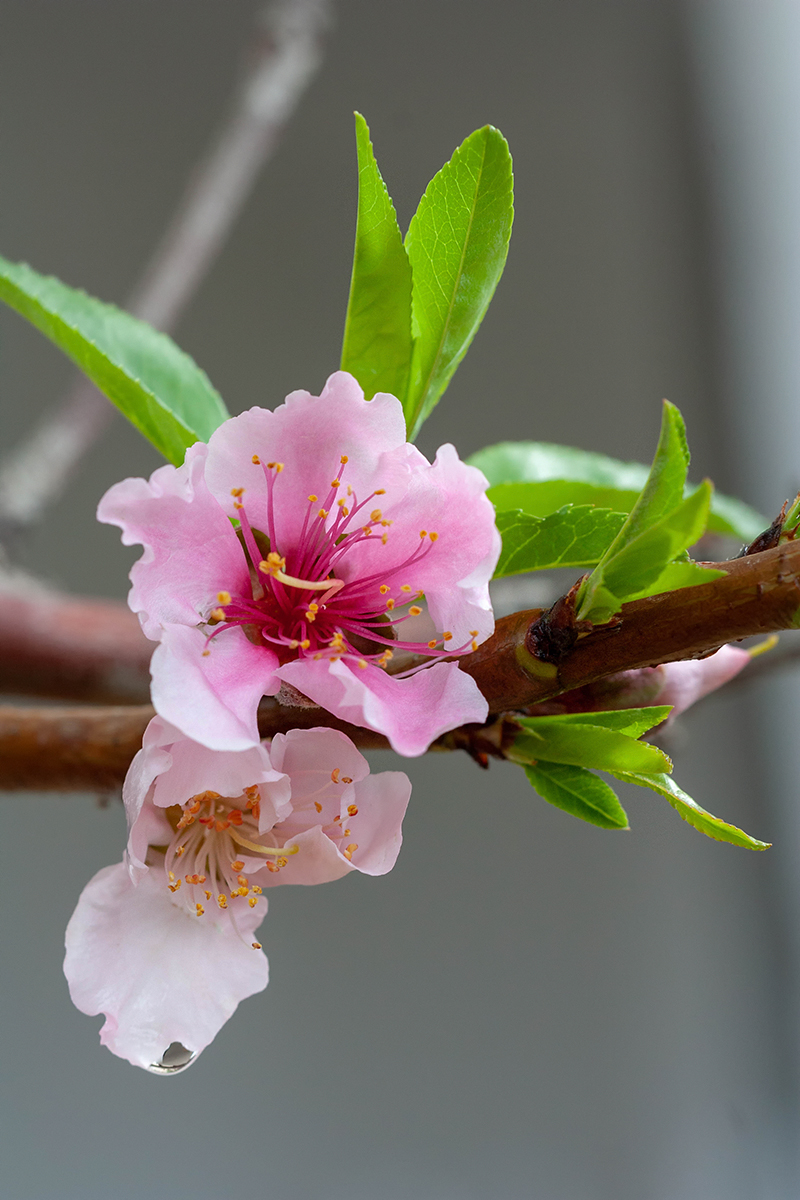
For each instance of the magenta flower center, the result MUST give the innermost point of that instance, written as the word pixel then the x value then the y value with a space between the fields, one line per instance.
pixel 298 600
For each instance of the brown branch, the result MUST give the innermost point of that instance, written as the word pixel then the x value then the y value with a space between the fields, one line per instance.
pixel 288 52
pixel 758 594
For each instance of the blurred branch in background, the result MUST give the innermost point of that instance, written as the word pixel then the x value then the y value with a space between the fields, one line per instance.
pixel 286 53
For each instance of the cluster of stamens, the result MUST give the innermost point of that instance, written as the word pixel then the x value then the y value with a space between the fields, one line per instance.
pixel 202 862
pixel 298 602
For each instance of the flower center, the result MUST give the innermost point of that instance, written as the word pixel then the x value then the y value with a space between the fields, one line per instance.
pixel 217 846
pixel 299 603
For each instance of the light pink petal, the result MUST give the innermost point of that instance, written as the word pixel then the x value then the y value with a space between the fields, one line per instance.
pixel 321 765
pixel 157 973
pixel 317 861
pixel 309 434
pixel 410 712
pixel 684 683
pixel 382 801
pixel 447 498
pixel 212 697
pixel 195 768
pixel 191 551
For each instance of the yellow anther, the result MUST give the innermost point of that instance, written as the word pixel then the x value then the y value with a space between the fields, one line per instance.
pixel 474 645
pixel 237 504
pixel 384 538
pixel 313 499
pixel 447 635
pixel 256 890
pixel 345 511
pixel 222 900
pixel 346 779
pixel 242 880
pixel 344 459
pixel 415 610
pixel 179 851
pixel 253 901
pixel 318 806
pixel 473 633
pixel 256 460
pixel 217 614
pixel 313 608
pixel 434 537
pixel 351 850
pixel 224 597
pixel 405 587
pixel 199 909
pixel 386 524
pixel 432 644
pixel 282 862
pixel 237 492
pixel 293 644
pixel 171 876
pixel 390 603
pixel 375 515
pixel 335 483
pixel 275 466
pixel 347 832
pixel 366 530
pixel 362 663
pixel 305 644
pixel 352 809
pixel 322 514
pixel 238 865
pixel 387 654
pixel 384 588
pixel 349 490
pixel 423 533
pixel 380 492
pixel 207 894
pixel 335 774
pixel 256 945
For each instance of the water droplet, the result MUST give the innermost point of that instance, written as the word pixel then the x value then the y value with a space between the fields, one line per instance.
pixel 174 1059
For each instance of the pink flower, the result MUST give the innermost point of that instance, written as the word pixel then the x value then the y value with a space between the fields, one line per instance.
pixel 342 527
pixel 163 943
pixel 682 684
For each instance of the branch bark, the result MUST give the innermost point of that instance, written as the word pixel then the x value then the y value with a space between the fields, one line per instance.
pixel 288 51
pixel 90 648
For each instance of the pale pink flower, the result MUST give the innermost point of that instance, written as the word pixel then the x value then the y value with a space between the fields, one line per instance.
pixel 343 527
pixel 163 944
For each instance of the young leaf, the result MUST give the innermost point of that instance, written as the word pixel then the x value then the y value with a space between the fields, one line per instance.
pixel 571 537
pixel 158 387
pixel 691 812
pixel 677 575
pixel 659 527
pixel 539 477
pixel 457 244
pixel 632 721
pixel 377 333
pixel 578 792
pixel 584 745
pixel 643 559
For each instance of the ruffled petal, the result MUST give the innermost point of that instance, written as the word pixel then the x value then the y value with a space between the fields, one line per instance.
pixel 212 697
pixel 308 435
pixel 191 551
pixel 410 712
pixel 158 974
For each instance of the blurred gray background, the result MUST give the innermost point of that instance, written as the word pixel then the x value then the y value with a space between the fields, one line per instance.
pixel 526 1006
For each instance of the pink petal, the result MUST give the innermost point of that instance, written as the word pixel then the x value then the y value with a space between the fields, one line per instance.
pixel 382 801
pixel 309 434
pixel 212 697
pixel 157 973
pixel 684 683
pixel 410 712
pixel 191 551
pixel 447 498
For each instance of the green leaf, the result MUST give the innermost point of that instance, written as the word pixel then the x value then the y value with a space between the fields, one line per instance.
pixel 571 537
pixel 696 816
pixel 457 244
pixel 632 721
pixel 157 387
pixel 578 792
pixel 584 745
pixel 658 529
pixel 377 333
pixel 540 477
pixel 643 559
pixel 677 575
